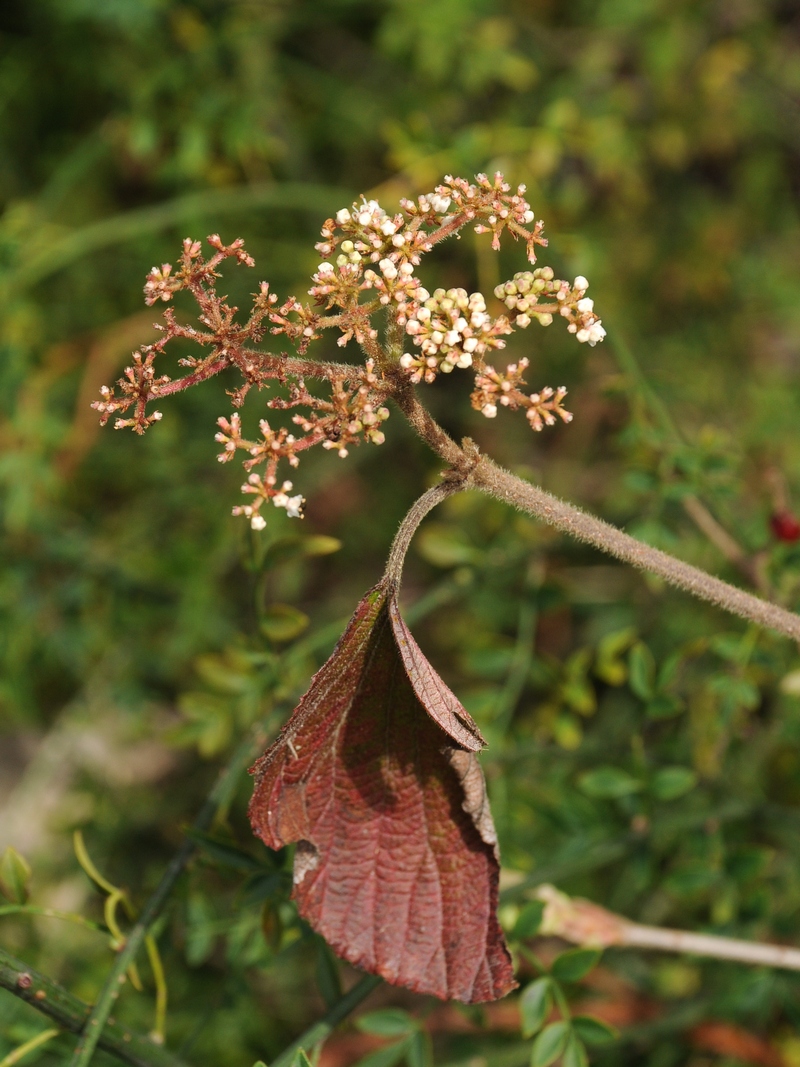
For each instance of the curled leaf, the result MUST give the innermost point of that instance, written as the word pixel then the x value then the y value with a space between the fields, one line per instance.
pixel 375 778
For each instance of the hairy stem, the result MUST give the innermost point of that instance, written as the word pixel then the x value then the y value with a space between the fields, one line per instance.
pixel 71 1014
pixel 414 516
pixel 497 482
pixel 219 795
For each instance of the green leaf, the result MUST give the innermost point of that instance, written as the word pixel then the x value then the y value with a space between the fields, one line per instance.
pixel 534 1006
pixel 15 874
pixel 388 1022
pixel 549 1045
pixel 642 668
pixel 609 783
pixel 419 1050
pixel 609 664
pixel 301 1059
pixel 446 546
pixel 386 1057
pixel 672 782
pixel 664 706
pixel 575 963
pixel 529 920
pixel 223 853
pixel 282 622
pixel 574 1053
pixel 327 973
pixel 593 1031
pixel 287 549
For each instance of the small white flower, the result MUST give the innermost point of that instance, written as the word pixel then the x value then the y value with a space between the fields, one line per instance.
pixel 580 283
pixel 522 321
pixel 407 360
pixel 388 269
pixel 388 228
pixel 582 336
pixel 325 268
pixel 343 216
pixel 258 522
pixel 439 203
pixel 294 507
pixel 489 410
pixel 596 333
pixel 585 304
pixel 528 217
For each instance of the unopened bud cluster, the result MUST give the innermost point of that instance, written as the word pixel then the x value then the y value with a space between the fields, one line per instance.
pixel 451 329
pixel 532 294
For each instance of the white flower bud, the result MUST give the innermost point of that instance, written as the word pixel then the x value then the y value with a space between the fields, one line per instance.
pixel 325 268
pixel 343 216
pixel 258 522
pixel 388 228
pixel 388 269
pixel 582 336
pixel 585 304
pixel 580 283
pixel 407 360
pixel 489 410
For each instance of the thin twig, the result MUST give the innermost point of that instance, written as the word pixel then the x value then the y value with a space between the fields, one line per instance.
pixel 116 978
pixel 71 1013
pixel 585 923
pixel 22 1051
pixel 497 482
pixel 324 1027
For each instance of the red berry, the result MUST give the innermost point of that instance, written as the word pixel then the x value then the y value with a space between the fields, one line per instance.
pixel 785 526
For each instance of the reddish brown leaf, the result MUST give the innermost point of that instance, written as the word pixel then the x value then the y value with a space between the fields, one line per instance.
pixel 375 778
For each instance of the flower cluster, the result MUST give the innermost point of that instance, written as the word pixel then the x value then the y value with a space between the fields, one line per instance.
pixel 451 329
pixel 354 412
pixel 505 388
pixel 539 295
pixel 273 446
pixel 369 261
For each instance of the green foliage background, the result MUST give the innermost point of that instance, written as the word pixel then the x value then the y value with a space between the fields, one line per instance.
pixel 645 750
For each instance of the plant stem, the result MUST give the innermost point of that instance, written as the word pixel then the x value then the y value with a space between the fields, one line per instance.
pixel 29 1046
pixel 218 797
pixel 497 482
pixel 492 479
pixel 71 1014
pixel 586 923
pixel 320 1030
pixel 413 517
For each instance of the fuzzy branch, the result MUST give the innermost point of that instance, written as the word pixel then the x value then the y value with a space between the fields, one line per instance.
pixel 585 923
pixel 497 482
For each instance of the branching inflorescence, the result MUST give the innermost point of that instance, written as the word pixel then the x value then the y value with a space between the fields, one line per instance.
pixel 365 288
